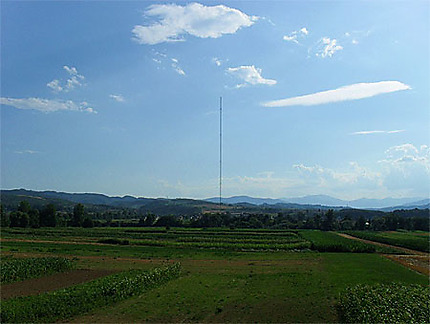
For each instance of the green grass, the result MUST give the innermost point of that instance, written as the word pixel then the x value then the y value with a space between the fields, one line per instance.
pixel 411 240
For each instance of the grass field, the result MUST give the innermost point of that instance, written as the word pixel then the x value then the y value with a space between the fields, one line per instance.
pixel 217 284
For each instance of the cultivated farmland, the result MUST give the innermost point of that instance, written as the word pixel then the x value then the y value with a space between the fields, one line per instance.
pixel 228 275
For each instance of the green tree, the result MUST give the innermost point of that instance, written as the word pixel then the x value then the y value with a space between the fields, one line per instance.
pixel 328 223
pixel 87 222
pixel 48 216
pixel 24 207
pixel 19 219
pixel 4 217
pixel 78 215
pixel 34 218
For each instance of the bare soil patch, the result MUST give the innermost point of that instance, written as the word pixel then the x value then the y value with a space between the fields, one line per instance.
pixel 57 281
pixel 416 260
pixel 419 263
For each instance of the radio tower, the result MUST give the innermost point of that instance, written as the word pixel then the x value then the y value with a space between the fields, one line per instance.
pixel 220 153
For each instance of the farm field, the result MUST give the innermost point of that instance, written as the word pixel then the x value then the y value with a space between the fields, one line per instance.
pixel 243 276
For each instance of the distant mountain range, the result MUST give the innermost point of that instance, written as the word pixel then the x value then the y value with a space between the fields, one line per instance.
pixel 11 198
pixel 324 200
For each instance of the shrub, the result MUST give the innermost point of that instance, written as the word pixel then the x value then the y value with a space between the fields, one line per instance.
pixel 25 268
pixel 393 303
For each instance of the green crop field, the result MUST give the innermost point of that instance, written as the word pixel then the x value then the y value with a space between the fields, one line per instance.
pixel 227 275
pixel 412 240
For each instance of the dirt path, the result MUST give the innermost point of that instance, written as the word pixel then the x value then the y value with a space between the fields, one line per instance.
pixel 416 260
pixel 53 282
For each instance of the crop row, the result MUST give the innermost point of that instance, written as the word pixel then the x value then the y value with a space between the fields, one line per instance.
pixel 392 303
pixel 228 246
pixel 64 303
pixel 406 240
pixel 17 269
pixel 332 242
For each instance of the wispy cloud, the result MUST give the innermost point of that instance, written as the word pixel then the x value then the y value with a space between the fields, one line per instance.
pixel 250 75
pixel 27 152
pixel 345 93
pixel 46 105
pixel 176 67
pixel 163 61
pixel 75 80
pixel 295 35
pixel 118 98
pixel 176 21
pixel 378 132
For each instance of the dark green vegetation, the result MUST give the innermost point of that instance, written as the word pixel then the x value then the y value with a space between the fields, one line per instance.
pixel 81 298
pixel 393 303
pixel 16 269
pixel 411 240
pixel 24 208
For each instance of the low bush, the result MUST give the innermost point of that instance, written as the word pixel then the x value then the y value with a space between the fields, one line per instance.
pixel 17 269
pixel 393 303
pixel 114 241
pixel 64 303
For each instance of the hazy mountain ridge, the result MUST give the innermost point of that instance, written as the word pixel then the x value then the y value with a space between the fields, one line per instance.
pixel 310 202
pixel 328 201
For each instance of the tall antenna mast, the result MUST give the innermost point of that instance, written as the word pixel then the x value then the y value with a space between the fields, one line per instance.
pixel 220 153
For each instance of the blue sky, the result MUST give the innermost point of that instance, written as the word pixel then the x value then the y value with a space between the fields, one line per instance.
pixel 320 97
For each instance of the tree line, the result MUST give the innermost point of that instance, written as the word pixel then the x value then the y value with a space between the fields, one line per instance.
pixel 327 220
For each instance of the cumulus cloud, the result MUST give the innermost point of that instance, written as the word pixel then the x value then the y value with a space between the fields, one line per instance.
pixel 407 168
pixel 74 81
pixel 378 132
pixel 250 75
pixel 216 61
pixel 295 35
pixel 176 21
pixel 46 105
pixel 345 93
pixel 118 98
pixel 326 47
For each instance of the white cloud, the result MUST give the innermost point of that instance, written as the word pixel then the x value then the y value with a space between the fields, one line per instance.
pixel 55 85
pixel 46 105
pixel 378 132
pixel 195 19
pixel 118 98
pixel 74 81
pixel 250 75
pixel 216 61
pixel 327 47
pixel 407 168
pixel 293 36
pixel 350 92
